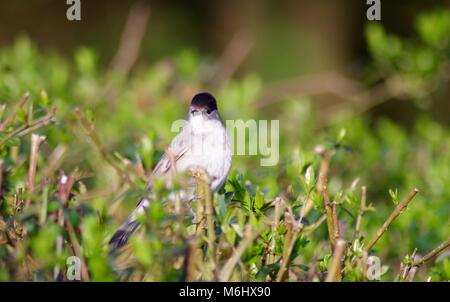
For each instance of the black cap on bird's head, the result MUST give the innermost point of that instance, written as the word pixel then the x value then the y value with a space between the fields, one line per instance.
pixel 204 101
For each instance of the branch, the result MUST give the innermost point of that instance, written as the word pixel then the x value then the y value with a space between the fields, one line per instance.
pixel 89 127
pixel 24 130
pixel 361 211
pixel 232 57
pixel 13 114
pixel 289 242
pixel 77 249
pixel 249 237
pixel 36 141
pixel 192 260
pixel 1 178
pixel 319 84
pixel 436 251
pixel 131 39
pixel 205 182
pixel 334 272
pixel 330 208
pixel 397 211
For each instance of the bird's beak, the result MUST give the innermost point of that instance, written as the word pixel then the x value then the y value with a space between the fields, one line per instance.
pixel 197 111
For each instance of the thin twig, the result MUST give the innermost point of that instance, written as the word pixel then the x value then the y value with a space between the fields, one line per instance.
pixel 278 204
pixel 361 211
pixel 77 249
pixel 330 208
pixel 289 242
pixel 319 84
pixel 65 184
pixel 36 141
pixel 173 172
pixel 90 131
pixel 192 259
pixel 132 36
pixel 435 252
pixel 397 211
pixel 1 178
pixel 205 181
pixel 10 118
pixel 24 130
pixel 334 272
pixel 311 228
pixel 44 204
pixel 249 236
pixel 232 57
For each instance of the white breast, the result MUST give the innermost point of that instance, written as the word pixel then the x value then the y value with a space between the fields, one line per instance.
pixel 210 149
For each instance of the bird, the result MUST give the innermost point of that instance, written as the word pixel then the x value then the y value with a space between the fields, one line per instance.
pixel 203 142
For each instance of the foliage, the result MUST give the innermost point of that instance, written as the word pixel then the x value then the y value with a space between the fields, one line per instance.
pixel 83 187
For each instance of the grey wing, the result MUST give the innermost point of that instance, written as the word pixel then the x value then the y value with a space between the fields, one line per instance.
pixel 178 147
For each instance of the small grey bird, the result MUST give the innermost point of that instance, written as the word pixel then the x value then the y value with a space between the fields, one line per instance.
pixel 202 143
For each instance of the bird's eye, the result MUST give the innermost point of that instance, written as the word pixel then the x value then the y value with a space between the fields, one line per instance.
pixel 208 111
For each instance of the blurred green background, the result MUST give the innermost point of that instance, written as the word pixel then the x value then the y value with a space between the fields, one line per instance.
pixel 317 66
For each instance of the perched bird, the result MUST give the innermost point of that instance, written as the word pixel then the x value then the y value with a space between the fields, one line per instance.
pixel 202 143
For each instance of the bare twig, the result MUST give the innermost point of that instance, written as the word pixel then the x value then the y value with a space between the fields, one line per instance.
pixel 319 84
pixel 249 236
pixel 137 169
pixel 24 130
pixel 289 241
pixel 10 118
pixel 311 228
pixel 361 211
pixel 65 185
pixel 397 211
pixel 77 249
pixel 205 181
pixel 44 204
pixel 435 252
pixel 173 172
pixel 54 161
pixel 279 207
pixel 330 208
pixel 233 56
pixel 131 39
pixel 90 131
pixel 36 141
pixel 192 259
pixel 1 178
pixel 334 272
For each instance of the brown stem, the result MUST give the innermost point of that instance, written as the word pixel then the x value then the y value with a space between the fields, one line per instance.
pixel 173 172
pixel 334 272
pixel 65 185
pixel 232 57
pixel 36 141
pixel 90 131
pixel 249 236
pixel 289 241
pixel 278 203
pixel 24 130
pixel 1 178
pixel 132 36
pixel 330 208
pixel 13 114
pixel 360 212
pixel 436 251
pixel 205 182
pixel 397 211
pixel 192 260
pixel 77 249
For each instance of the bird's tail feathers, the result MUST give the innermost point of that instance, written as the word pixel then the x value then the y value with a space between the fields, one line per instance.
pixel 129 227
